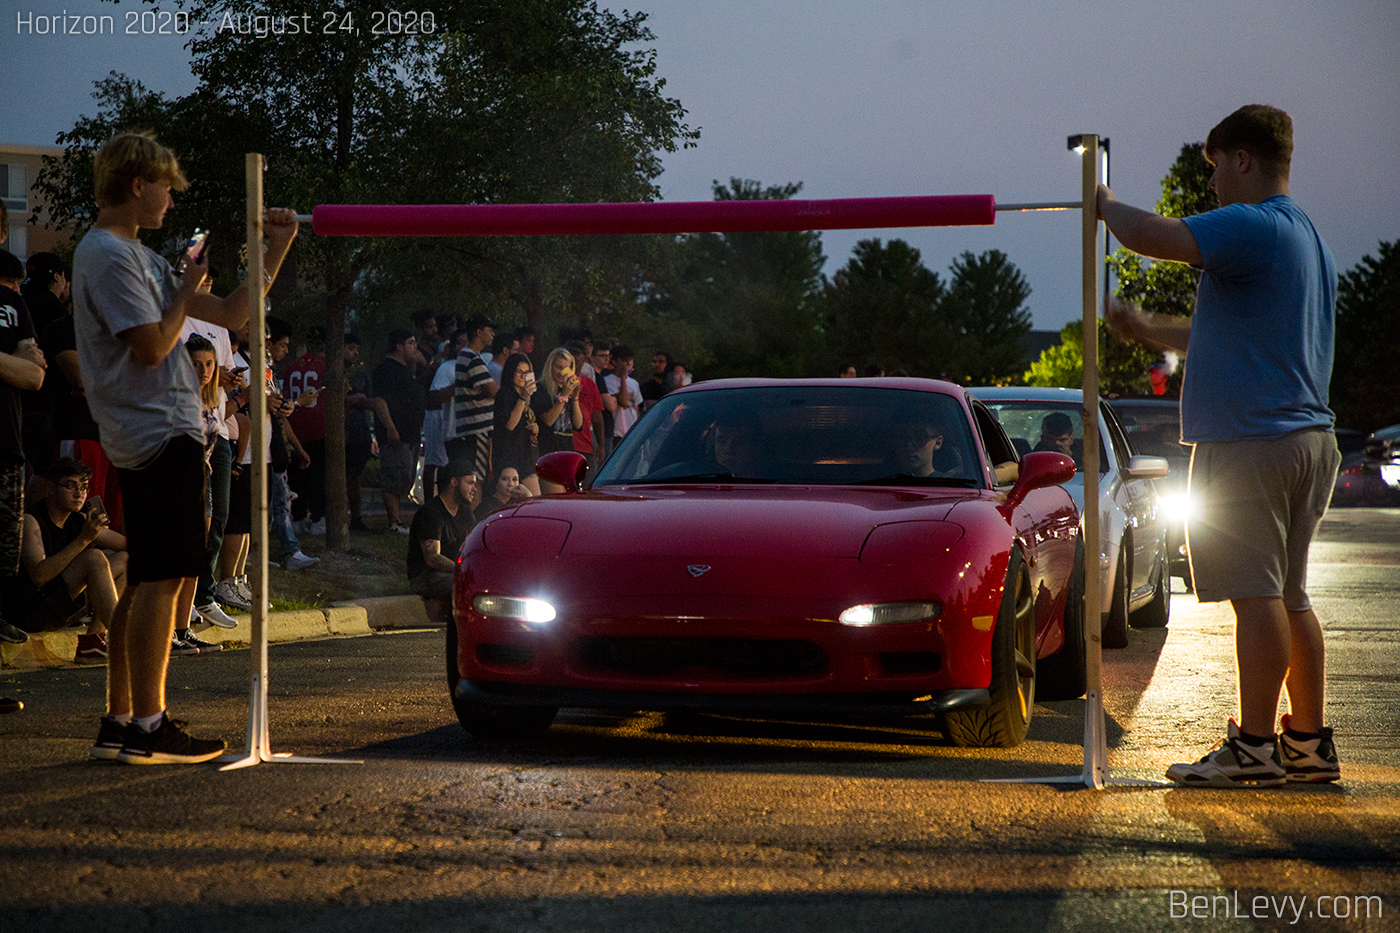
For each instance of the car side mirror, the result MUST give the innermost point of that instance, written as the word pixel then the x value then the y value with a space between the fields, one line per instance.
pixel 1039 470
pixel 563 468
pixel 1141 466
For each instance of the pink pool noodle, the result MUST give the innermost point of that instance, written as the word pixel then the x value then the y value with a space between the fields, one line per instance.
pixel 650 217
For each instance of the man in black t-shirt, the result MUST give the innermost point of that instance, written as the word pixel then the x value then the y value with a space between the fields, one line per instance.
pixel 439 529
pixel 399 433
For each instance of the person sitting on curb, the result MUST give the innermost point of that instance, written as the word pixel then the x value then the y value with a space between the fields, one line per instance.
pixel 439 528
pixel 73 563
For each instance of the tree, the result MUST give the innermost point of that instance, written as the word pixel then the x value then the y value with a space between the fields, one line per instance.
pixel 883 307
pixel 1368 342
pixel 985 308
pixel 528 100
pixel 754 298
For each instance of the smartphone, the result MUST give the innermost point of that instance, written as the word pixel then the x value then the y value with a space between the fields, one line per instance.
pixel 95 506
pixel 239 369
pixel 194 252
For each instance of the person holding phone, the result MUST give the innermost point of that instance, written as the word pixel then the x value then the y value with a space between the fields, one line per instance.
pixel 129 308
pixel 73 563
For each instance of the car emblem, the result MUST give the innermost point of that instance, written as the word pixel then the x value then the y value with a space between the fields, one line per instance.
pixel 698 570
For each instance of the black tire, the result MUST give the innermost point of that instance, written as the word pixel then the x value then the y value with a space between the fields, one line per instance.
pixel 1115 627
pixel 1062 676
pixel 489 722
pixel 1004 722
pixel 1156 613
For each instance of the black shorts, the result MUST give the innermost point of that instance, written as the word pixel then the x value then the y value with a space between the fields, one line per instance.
pixel 240 502
pixel 44 609
pixel 163 514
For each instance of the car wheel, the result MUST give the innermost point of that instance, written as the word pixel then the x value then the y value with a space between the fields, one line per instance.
pixel 489 722
pixel 1062 676
pixel 1115 630
pixel 1155 613
pixel 1004 722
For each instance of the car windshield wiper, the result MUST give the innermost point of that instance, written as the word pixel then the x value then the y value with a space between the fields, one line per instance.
pixel 719 477
pixel 909 479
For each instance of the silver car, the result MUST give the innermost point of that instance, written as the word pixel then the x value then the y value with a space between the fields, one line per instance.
pixel 1133 531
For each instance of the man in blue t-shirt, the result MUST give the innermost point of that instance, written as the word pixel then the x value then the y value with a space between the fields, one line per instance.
pixel 1254 404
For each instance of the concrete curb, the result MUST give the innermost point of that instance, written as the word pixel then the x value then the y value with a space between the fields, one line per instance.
pixel 341 620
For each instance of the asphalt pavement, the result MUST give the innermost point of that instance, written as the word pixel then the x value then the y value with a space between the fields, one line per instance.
pixel 648 821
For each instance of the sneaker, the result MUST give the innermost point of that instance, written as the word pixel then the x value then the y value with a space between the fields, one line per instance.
pixel 399 528
pixel 318 527
pixel 200 645
pixel 111 736
pixel 179 648
pixel 168 744
pixel 92 649
pixel 12 635
pixel 226 591
pixel 358 524
pixel 300 561
pixel 1233 764
pixel 213 615
pixel 1309 761
pixel 245 589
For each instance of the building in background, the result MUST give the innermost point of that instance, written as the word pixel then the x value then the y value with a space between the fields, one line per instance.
pixel 19 169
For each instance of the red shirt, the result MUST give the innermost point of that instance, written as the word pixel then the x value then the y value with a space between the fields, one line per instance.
pixel 307 372
pixel 589 400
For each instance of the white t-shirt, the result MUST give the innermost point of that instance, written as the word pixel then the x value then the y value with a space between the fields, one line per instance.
pixel 223 355
pixel 624 417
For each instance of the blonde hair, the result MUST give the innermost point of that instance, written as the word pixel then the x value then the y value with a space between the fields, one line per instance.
pixel 128 156
pixel 549 384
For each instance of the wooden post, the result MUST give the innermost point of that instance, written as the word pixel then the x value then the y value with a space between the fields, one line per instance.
pixel 1095 746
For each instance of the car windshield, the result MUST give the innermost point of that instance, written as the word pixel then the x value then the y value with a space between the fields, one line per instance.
pixel 1154 429
pixel 812 435
pixel 1035 425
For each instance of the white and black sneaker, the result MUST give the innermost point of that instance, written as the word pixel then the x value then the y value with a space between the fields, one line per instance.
pixel 179 648
pixel 213 615
pixel 1308 758
pixel 200 645
pixel 111 737
pixel 1234 764
pixel 167 744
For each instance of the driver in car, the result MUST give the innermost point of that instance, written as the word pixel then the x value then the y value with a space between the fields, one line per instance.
pixel 919 450
pixel 1057 437
pixel 737 445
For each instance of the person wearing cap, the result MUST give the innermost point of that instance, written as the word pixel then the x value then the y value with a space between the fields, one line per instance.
pixel 439 528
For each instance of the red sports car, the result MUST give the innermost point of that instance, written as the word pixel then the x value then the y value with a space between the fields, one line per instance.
pixel 815 547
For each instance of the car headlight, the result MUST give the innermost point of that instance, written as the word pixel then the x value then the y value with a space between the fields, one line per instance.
pixel 521 608
pixel 1178 507
pixel 890 613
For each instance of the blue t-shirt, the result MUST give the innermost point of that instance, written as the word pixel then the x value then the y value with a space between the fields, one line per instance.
pixel 1261 336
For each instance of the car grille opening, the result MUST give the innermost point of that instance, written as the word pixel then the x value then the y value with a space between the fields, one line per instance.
pixel 729 658
pixel 911 662
pixel 504 655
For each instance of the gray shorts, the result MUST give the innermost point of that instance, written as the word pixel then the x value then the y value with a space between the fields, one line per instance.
pixel 397 466
pixel 1256 505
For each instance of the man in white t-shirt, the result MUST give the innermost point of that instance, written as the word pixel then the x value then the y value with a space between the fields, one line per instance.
pixel 624 389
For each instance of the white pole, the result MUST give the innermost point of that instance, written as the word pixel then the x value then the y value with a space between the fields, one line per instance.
pixel 259 743
pixel 1095 744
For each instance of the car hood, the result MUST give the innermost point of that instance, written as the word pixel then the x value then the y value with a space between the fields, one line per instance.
pixel 746 522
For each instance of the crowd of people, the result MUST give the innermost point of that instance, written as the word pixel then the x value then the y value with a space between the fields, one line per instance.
pixel 456 413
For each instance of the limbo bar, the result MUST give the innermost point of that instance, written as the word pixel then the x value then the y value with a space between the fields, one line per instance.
pixel 651 217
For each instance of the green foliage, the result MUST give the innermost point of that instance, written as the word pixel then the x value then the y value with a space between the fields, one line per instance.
pixel 1368 342
pixel 750 303
pixel 883 307
pixel 1063 364
pixel 985 308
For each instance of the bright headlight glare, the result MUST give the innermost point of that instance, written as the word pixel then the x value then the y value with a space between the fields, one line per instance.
pixel 890 613
pixel 525 609
pixel 1178 507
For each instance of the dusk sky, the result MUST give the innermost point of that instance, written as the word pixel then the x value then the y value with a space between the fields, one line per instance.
pixel 910 98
